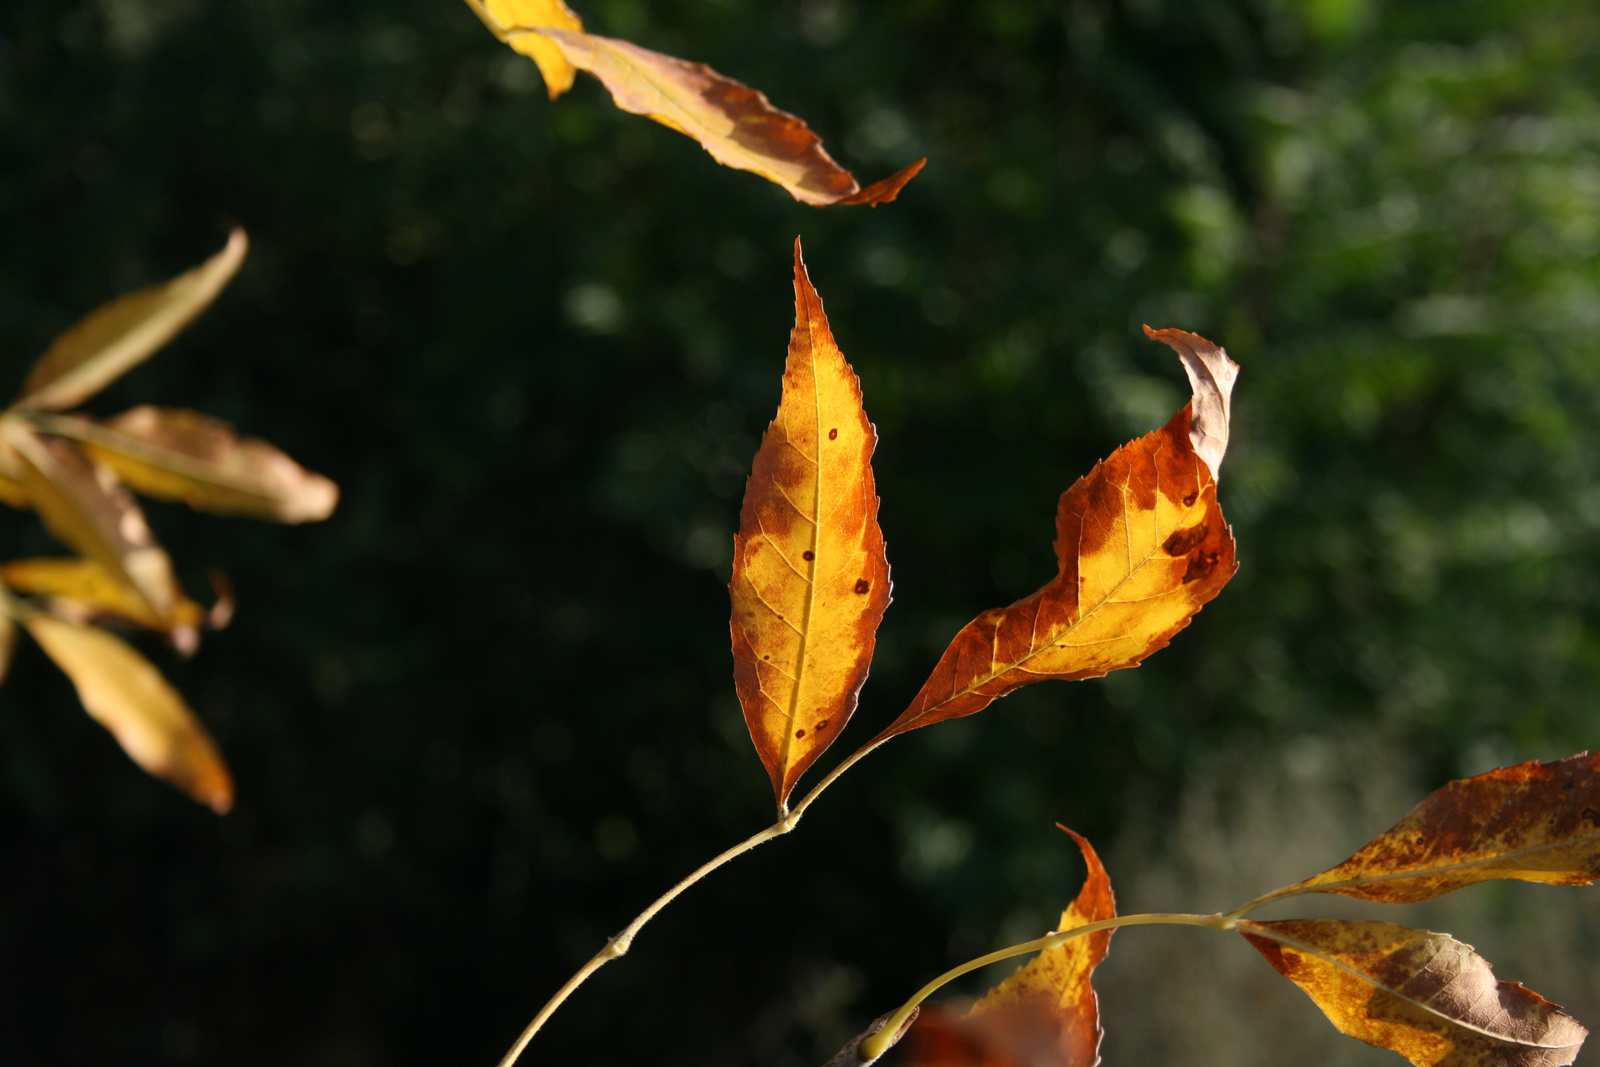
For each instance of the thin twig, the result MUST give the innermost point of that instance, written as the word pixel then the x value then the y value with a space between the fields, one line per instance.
pixel 619 945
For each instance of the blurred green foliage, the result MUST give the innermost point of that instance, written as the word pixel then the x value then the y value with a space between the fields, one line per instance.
pixel 484 714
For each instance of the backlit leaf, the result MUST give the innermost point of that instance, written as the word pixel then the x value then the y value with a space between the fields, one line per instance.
pixel 118 336
pixel 1057 980
pixel 810 578
pixel 1424 995
pixel 1535 822
pixel 173 454
pixel 1141 546
pixel 735 123
pixel 129 697
pixel 1046 1013
pixel 85 506
pixel 533 14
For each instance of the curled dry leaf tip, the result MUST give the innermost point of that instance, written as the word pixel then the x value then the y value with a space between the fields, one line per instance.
pixel 1141 546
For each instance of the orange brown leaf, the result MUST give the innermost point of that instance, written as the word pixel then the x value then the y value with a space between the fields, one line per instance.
pixel 1424 995
pixel 1058 980
pixel 1535 822
pixel 129 697
pixel 810 578
pixel 1141 545
pixel 733 122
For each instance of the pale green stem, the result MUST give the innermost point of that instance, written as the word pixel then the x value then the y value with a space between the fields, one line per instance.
pixel 788 819
pixel 876 1045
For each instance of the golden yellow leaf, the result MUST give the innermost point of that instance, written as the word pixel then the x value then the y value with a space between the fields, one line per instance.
pixel 1424 995
pixel 85 506
pixel 1535 822
pixel 810 578
pixel 1141 545
pixel 173 454
pixel 1055 986
pixel 118 336
pixel 129 697
pixel 735 123
pixel 13 493
pixel 94 591
pixel 504 16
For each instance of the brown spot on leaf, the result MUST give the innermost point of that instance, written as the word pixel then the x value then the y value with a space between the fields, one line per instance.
pixel 1182 542
pixel 823 725
pixel 1592 816
pixel 1201 564
pixel 799 733
pixel 808 555
pixel 862 585
pixel 833 435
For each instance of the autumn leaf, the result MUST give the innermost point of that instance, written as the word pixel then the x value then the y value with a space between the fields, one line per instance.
pixel 85 506
pixel 810 578
pixel 736 124
pixel 118 336
pixel 1057 980
pixel 558 74
pixel 85 591
pixel 1046 1013
pixel 1141 546
pixel 1535 822
pixel 1424 995
pixel 129 697
pixel 173 454
pixel 8 643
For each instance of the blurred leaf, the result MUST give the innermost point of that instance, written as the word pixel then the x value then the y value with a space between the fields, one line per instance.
pixel 114 338
pixel 1535 822
pixel 1141 545
pixel 85 506
pixel 129 697
pixel 810 578
pixel 173 454
pixel 850 1055
pixel 1424 995
pixel 95 591
pixel 8 643
pixel 531 14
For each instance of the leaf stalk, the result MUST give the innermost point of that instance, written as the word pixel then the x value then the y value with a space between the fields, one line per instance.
pixel 876 1045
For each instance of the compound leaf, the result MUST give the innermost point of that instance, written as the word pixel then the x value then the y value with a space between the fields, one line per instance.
pixel 174 454
pixel 114 338
pixel 810 577
pixel 1535 822
pixel 1141 546
pixel 1424 995
pixel 125 694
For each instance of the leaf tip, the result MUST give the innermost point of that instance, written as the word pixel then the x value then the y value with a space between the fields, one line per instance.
pixel 1211 377
pixel 885 191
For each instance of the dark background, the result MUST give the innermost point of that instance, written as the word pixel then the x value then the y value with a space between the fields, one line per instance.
pixel 484 714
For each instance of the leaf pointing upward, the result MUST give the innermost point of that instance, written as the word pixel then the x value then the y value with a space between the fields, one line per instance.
pixel 1424 995
pixel 1141 546
pixel 113 339
pixel 810 578
pixel 1535 822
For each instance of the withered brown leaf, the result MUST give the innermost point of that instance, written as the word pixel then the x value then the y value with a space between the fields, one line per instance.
pixel 1424 995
